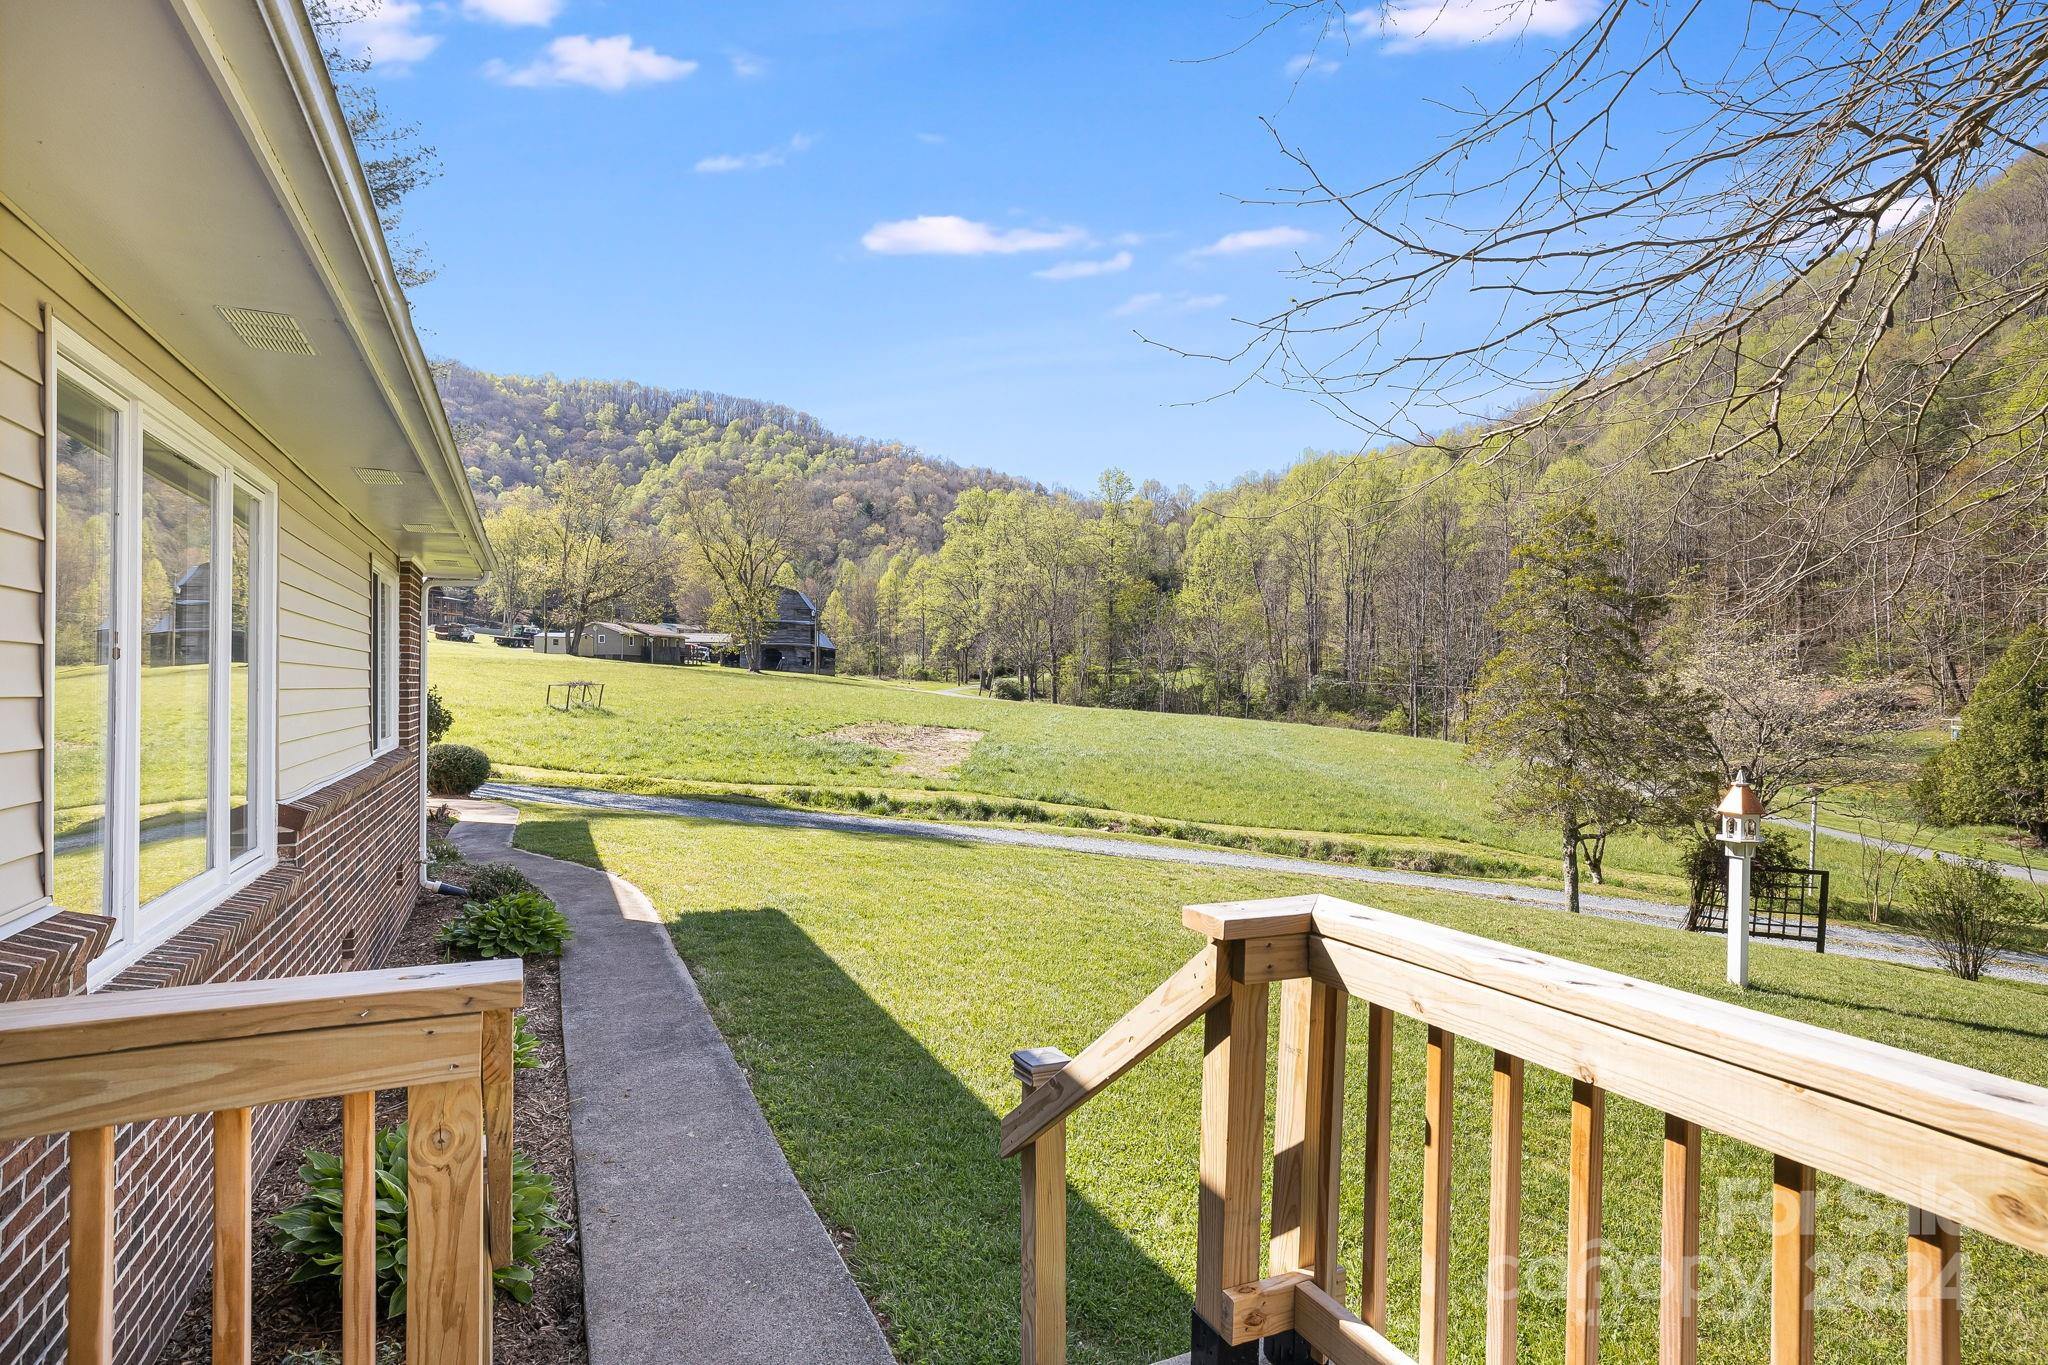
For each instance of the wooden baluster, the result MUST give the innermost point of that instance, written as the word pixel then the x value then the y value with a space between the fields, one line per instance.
pixel 1233 1158
pixel 1583 1249
pixel 1792 1217
pixel 1307 1139
pixel 1379 1112
pixel 359 1229
pixel 1934 1328
pixel 232 1335
pixel 1504 1216
pixel 498 1069
pixel 447 1305
pixel 1678 1306
pixel 1433 1348
pixel 91 1291
pixel 1044 1167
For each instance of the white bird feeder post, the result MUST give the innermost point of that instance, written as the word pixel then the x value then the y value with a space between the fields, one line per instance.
pixel 1741 819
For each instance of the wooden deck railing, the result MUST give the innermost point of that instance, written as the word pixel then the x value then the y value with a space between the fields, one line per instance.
pixel 443 1034
pixel 1958 1147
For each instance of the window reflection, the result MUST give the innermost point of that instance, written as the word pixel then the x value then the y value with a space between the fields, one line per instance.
pixel 177 677
pixel 241 738
pixel 82 540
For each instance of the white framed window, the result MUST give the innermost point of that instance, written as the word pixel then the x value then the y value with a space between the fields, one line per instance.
pixel 162 659
pixel 383 658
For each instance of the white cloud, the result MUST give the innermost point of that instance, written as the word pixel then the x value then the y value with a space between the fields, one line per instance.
pixel 612 63
pixel 1081 270
pixel 756 161
pixel 1410 24
pixel 1254 239
pixel 389 36
pixel 1181 303
pixel 537 13
pixel 950 235
pixel 930 139
pixel 746 66
pixel 1309 64
pixel 1909 209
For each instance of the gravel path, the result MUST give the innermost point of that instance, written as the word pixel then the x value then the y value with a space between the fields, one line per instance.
pixel 2013 870
pixel 1847 939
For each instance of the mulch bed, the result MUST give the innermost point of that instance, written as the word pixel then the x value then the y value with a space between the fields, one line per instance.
pixel 298 1324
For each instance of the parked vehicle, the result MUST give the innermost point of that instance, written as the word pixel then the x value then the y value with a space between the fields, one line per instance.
pixel 455 630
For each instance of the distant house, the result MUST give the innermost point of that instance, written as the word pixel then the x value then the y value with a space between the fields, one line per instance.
pixel 551 642
pixel 795 642
pixel 613 640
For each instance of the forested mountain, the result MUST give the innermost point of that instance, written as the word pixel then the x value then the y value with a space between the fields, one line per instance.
pixel 864 494
pixel 1907 545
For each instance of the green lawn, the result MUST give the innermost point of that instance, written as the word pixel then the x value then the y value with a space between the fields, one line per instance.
pixel 872 988
pixel 1317 791
pixel 688 728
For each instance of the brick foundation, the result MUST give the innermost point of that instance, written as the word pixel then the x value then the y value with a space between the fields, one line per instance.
pixel 348 872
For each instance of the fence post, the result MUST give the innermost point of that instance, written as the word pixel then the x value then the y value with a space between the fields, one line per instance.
pixel 1043 1339
pixel 1233 1159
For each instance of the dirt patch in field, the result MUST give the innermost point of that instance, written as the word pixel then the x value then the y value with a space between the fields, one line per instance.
pixel 922 750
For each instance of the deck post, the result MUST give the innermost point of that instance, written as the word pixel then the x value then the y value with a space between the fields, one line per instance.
pixel 1043 1338
pixel 1307 1138
pixel 1232 1160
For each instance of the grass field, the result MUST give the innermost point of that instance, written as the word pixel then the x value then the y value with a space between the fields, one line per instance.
pixel 873 987
pixel 1312 790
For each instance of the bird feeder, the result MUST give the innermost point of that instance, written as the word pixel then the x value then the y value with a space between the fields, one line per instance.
pixel 1741 816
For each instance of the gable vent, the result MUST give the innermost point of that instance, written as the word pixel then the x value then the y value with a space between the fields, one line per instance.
pixel 379 478
pixel 268 331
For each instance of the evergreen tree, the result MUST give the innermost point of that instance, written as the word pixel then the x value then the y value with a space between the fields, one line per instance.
pixel 1569 708
pixel 1997 770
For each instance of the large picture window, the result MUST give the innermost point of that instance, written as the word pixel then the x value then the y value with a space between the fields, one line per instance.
pixel 162 654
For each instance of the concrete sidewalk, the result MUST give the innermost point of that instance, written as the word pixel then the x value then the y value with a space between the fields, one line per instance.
pixel 699 1247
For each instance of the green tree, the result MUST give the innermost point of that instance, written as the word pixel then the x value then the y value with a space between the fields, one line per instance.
pixel 1570 708
pixel 1997 770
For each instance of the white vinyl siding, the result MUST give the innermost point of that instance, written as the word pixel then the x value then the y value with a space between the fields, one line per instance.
pixel 21 599
pixel 323 657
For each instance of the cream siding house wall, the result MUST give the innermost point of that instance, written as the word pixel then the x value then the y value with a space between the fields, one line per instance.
pixel 324 555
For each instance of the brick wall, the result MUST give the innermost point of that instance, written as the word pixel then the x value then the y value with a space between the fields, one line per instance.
pixel 348 872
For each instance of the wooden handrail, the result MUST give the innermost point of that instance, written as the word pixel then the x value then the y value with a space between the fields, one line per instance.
pixel 443 1034
pixel 1958 1147
pixel 1180 1000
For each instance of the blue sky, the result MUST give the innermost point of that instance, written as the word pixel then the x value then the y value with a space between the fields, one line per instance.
pixel 935 221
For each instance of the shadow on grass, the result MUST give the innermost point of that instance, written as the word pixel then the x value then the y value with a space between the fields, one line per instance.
pixel 1864 1006
pixel 897 1153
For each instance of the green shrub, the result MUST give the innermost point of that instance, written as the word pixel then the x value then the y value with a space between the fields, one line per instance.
pixel 1970 911
pixel 521 924
pixel 443 852
pixel 1996 771
pixel 456 769
pixel 1008 689
pixel 492 880
pixel 439 717
pixel 310 1230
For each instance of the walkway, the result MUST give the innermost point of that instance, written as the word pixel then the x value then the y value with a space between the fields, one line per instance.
pixel 2017 871
pixel 698 1244
pixel 1849 940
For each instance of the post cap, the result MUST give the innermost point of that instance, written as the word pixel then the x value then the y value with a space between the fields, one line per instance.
pixel 1034 1066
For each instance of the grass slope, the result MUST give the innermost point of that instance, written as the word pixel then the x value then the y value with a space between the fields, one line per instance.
pixel 873 987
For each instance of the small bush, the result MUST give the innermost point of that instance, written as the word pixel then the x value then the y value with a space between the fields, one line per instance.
pixel 443 852
pixel 522 924
pixel 439 717
pixel 1970 911
pixel 310 1230
pixel 492 880
pixel 456 769
pixel 1008 689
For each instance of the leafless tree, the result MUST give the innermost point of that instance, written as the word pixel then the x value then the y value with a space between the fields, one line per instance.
pixel 1765 280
